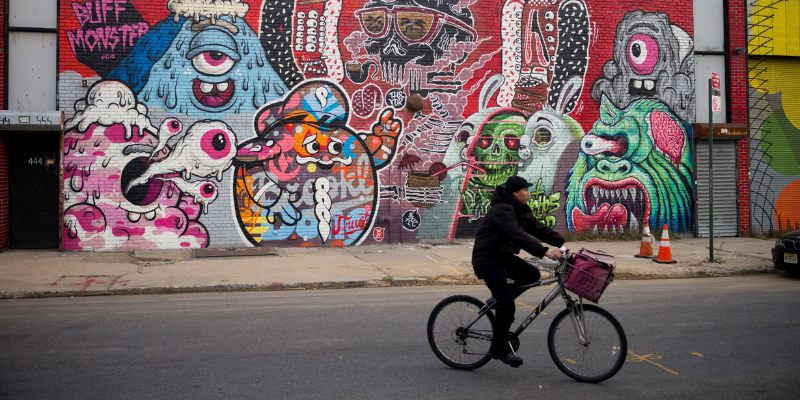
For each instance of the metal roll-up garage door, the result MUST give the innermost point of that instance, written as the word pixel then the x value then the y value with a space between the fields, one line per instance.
pixel 725 197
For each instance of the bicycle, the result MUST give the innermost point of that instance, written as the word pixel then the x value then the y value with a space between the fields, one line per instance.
pixel 460 332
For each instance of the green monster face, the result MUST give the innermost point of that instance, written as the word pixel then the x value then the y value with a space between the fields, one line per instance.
pixel 495 154
pixel 497 147
pixel 634 170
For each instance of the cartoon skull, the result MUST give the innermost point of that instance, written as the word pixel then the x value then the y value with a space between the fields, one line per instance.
pixel 497 147
pixel 413 31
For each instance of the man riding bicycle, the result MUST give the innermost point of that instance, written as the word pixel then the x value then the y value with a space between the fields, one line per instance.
pixel 508 227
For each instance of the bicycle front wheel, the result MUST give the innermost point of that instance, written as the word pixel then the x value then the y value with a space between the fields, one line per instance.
pixel 458 334
pixel 588 345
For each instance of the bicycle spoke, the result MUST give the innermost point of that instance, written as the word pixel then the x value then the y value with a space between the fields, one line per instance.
pixel 449 338
pixel 597 359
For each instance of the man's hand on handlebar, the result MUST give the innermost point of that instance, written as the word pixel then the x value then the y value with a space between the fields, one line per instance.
pixel 554 253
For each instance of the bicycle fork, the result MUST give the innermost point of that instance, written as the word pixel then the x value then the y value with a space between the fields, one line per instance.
pixel 576 316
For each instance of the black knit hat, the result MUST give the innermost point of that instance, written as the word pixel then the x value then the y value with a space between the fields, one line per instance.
pixel 514 183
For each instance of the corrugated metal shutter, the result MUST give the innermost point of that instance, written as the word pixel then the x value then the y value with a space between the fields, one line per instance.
pixel 725 199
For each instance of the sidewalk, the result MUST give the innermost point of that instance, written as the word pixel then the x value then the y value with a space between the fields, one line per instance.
pixel 46 273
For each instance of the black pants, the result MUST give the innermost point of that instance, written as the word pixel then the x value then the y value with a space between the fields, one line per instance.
pixel 522 273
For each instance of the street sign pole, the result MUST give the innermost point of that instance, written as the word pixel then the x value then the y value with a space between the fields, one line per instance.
pixel 710 171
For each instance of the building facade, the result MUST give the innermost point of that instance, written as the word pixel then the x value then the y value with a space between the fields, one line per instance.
pixel 197 123
pixel 774 70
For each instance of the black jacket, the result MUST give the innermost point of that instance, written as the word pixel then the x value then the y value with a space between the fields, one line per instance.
pixel 508 227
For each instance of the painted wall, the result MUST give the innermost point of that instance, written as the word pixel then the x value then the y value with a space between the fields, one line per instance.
pixel 774 70
pixel 199 123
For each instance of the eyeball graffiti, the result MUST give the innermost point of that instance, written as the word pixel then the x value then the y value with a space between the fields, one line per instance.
pixel 135 190
pixel 207 149
pixel 653 59
pixel 634 170
pixel 214 63
pixel 642 55
pixel 308 178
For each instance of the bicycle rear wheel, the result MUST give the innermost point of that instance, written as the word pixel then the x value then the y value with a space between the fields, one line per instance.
pixel 458 335
pixel 597 358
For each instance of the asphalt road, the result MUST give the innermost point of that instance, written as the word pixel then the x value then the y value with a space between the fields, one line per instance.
pixel 716 338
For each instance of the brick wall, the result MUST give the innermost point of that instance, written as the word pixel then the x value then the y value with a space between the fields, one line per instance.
pixel 4 221
pixel 507 87
pixel 3 34
pixel 737 87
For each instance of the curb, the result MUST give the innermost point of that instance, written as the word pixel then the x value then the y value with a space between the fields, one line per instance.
pixel 382 283
pixel 272 287
pixel 691 274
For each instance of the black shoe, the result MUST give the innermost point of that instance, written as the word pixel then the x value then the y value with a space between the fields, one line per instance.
pixel 509 358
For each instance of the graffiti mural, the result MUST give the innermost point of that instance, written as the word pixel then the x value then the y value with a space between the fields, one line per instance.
pixel 194 123
pixel 548 52
pixel 529 129
pixel 653 59
pixel 214 62
pixel 774 98
pixel 401 36
pixel 125 187
pixel 634 168
pixel 308 178
pixel 107 31
pixel 544 205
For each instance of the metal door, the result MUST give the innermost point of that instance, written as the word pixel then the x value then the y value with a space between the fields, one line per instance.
pixel 33 182
pixel 726 214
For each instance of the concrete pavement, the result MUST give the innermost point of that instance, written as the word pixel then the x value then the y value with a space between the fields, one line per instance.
pixel 46 273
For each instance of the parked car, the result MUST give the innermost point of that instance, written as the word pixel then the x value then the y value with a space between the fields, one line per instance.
pixel 785 252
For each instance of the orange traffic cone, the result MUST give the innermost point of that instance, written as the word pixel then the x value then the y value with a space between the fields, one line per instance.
pixel 664 251
pixel 646 246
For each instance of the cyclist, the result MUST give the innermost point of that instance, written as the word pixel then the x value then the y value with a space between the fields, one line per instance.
pixel 508 227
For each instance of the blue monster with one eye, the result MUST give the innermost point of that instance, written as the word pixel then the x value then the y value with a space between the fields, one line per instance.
pixel 213 63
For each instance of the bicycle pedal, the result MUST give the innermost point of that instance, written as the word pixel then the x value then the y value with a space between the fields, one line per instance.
pixel 511 360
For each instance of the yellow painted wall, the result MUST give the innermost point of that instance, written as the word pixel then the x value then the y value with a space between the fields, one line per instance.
pixel 784 37
pixel 781 76
pixel 775 147
pixel 775 175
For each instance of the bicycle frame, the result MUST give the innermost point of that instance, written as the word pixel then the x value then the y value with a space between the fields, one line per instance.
pixel 554 293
